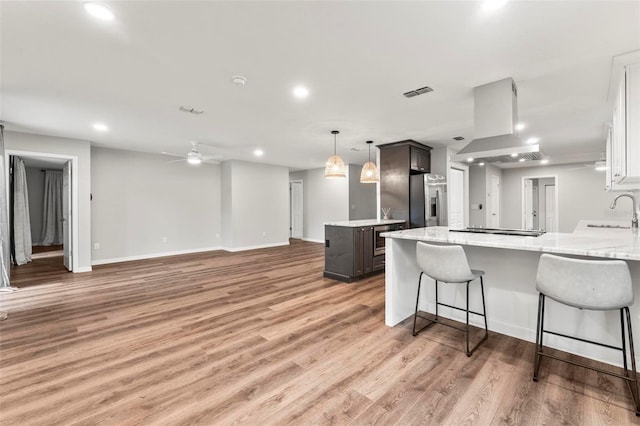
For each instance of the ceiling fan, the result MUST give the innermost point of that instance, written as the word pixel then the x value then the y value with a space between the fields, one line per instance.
pixel 195 157
pixel 599 165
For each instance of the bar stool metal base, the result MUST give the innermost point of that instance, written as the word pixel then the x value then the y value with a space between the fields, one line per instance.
pixel 435 320
pixel 632 380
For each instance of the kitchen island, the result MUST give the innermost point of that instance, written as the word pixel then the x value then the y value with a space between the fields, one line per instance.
pixel 354 248
pixel 511 263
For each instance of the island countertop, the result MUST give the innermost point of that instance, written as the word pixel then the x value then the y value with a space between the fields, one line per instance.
pixel 613 245
pixel 510 264
pixel 364 222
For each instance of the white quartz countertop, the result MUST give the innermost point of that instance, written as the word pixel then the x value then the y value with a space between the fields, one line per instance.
pixel 615 245
pixel 364 222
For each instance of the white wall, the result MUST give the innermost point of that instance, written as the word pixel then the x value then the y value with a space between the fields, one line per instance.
pixel 581 195
pixel 139 199
pixel 362 196
pixel 35 187
pixel 324 200
pixel 259 214
pixel 15 141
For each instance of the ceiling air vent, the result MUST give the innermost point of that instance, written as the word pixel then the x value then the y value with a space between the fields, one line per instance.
pixel 420 91
pixel 190 110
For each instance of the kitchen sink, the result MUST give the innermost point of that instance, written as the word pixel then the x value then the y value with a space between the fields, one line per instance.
pixel 502 231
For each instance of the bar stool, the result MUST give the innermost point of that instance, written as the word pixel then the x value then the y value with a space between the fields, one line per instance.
pixel 600 285
pixel 448 264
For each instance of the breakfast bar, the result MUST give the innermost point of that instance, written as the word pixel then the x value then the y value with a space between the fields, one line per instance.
pixel 510 263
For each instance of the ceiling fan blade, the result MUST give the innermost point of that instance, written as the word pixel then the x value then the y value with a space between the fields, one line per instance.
pixel 173 155
pixel 177 161
pixel 584 166
pixel 211 161
pixel 211 157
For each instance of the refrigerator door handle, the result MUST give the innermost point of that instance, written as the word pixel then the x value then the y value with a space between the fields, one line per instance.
pixel 437 207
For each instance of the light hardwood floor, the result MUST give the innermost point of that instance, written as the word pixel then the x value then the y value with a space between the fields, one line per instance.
pixel 261 338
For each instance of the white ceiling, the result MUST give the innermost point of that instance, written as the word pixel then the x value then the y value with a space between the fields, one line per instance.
pixel 62 70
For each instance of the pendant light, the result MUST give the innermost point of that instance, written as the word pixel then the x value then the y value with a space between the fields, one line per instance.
pixel 369 172
pixel 335 166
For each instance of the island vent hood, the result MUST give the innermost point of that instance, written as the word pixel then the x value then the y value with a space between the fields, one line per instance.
pixel 495 113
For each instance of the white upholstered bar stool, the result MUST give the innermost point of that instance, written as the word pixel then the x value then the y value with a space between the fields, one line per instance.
pixel 448 264
pixel 600 285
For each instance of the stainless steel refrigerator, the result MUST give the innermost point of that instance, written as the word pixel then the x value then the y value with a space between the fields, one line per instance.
pixel 435 197
pixel 428 200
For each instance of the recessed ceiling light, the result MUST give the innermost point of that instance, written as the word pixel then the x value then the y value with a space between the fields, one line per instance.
pixel 544 161
pixel 531 141
pixel 100 127
pixel 522 160
pixel 300 92
pixel 513 154
pixel 470 160
pixel 238 80
pixel 98 10
pixel 481 163
pixel 258 152
pixel 493 4
pixel 520 126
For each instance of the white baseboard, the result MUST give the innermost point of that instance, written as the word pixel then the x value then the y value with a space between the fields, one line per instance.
pixel 83 269
pixel 313 240
pixel 261 246
pixel 151 256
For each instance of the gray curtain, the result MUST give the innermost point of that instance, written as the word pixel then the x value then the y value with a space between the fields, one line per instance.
pixel 5 255
pixel 52 215
pixel 21 220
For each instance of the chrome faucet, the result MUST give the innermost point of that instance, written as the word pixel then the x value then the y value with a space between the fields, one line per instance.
pixel 634 217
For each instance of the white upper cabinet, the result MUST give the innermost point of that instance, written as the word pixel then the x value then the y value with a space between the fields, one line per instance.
pixel 623 139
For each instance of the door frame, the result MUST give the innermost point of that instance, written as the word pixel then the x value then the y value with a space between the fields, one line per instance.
pixel 75 241
pixel 300 181
pixel 464 168
pixel 490 204
pixel 522 197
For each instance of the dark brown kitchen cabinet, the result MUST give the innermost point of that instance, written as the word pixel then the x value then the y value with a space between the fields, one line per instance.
pixel 420 160
pixel 402 165
pixel 363 251
pixel 348 252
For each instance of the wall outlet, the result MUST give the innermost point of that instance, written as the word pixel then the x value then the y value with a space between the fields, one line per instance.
pixel 96 246
pixel 164 239
pixel 217 235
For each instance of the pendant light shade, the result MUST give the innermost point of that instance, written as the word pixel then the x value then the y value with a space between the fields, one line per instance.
pixel 335 165
pixel 369 172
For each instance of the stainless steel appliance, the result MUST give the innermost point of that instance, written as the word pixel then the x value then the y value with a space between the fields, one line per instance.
pixel 435 197
pixel 378 241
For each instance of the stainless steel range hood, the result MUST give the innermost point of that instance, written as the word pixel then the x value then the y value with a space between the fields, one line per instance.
pixel 495 117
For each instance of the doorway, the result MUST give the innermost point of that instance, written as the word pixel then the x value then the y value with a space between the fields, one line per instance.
pixel 456 198
pixel 51 191
pixel 494 199
pixel 296 209
pixel 539 203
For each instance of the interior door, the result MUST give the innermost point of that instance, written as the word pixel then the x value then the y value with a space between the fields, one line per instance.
pixel 66 216
pixel 495 202
pixel 456 194
pixel 550 202
pixel 528 204
pixel 296 209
